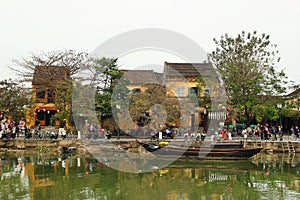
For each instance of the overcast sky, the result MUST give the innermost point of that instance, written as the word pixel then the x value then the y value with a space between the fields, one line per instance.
pixel 32 26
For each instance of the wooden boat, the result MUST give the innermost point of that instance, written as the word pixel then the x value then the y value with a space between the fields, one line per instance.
pixel 216 151
pixel 67 149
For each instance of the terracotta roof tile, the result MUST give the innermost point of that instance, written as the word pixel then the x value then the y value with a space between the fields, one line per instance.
pixel 186 70
pixel 140 77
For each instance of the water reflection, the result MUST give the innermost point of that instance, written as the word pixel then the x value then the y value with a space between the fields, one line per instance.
pixel 83 177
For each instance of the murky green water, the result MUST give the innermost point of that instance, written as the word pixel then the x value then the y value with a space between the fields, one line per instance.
pixel 43 176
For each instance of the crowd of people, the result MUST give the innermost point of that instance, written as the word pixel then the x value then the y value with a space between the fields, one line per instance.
pixel 11 128
pixel 262 132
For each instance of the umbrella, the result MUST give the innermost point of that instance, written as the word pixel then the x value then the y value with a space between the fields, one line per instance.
pixel 241 125
pixel 228 126
pixel 252 126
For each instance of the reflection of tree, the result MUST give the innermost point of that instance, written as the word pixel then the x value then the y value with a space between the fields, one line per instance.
pixel 181 180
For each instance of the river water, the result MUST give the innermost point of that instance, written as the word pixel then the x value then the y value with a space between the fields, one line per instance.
pixel 44 176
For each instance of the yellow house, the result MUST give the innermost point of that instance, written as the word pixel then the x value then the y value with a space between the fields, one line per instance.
pixel 140 78
pixel 181 81
pixel 45 82
pixel 294 99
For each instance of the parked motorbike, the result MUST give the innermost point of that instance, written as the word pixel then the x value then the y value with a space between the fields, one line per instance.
pixel 64 134
pixel 108 135
pixel 53 135
pixel 36 134
pixel 28 135
pixel 2 134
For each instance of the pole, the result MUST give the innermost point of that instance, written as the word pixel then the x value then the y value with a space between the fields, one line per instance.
pixel 280 124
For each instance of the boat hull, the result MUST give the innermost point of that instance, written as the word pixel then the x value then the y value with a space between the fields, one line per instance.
pixel 213 152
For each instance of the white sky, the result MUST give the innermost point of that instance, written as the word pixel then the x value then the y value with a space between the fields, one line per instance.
pixel 32 26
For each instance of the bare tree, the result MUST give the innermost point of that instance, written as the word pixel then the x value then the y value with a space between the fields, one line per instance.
pixel 69 59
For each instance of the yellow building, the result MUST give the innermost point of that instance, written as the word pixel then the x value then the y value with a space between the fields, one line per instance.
pixel 45 83
pixel 181 81
pixel 139 79
pixel 294 99
pixel 189 83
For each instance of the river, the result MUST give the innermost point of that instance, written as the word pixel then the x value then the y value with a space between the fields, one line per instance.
pixel 46 176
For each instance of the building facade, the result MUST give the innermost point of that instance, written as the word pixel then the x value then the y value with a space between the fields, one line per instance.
pixel 45 88
pixel 186 87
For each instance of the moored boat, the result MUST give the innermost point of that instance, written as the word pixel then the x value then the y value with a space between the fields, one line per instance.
pixel 67 149
pixel 215 151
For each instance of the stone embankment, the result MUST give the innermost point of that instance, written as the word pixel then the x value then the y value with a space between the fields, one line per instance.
pixel 132 146
pixel 49 145
pixel 286 146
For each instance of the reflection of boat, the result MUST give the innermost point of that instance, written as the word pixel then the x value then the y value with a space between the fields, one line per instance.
pixel 67 149
pixel 218 151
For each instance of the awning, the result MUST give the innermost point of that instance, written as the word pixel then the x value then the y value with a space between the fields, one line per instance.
pixel 48 108
pixel 228 126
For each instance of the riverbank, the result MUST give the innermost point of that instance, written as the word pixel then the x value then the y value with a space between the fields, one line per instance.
pixel 38 145
pixel 285 146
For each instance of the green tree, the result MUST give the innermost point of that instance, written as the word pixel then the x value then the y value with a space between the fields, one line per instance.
pixel 13 98
pixel 248 66
pixel 105 77
pixel 154 94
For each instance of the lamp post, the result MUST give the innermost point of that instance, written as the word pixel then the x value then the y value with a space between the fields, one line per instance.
pixel 118 121
pixel 279 106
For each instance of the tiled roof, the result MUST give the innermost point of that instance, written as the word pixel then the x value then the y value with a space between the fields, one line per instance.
pixel 141 77
pixel 187 70
pixel 50 75
pixel 296 92
pixel 159 77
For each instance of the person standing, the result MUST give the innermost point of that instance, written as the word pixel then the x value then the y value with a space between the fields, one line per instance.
pixel 22 126
pixel 296 132
pixel 266 132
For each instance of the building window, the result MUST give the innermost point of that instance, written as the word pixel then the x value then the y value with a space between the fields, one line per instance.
pixel 40 94
pixel 206 92
pixel 51 96
pixel 194 91
pixel 180 91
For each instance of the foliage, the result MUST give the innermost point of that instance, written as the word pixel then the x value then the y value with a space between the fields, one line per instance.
pixel 203 100
pixel 105 77
pixel 291 109
pixel 265 112
pixel 247 65
pixel 68 60
pixel 63 101
pixel 13 98
pixel 143 102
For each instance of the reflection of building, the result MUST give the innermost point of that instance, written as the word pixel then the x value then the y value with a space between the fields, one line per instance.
pixel 46 84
